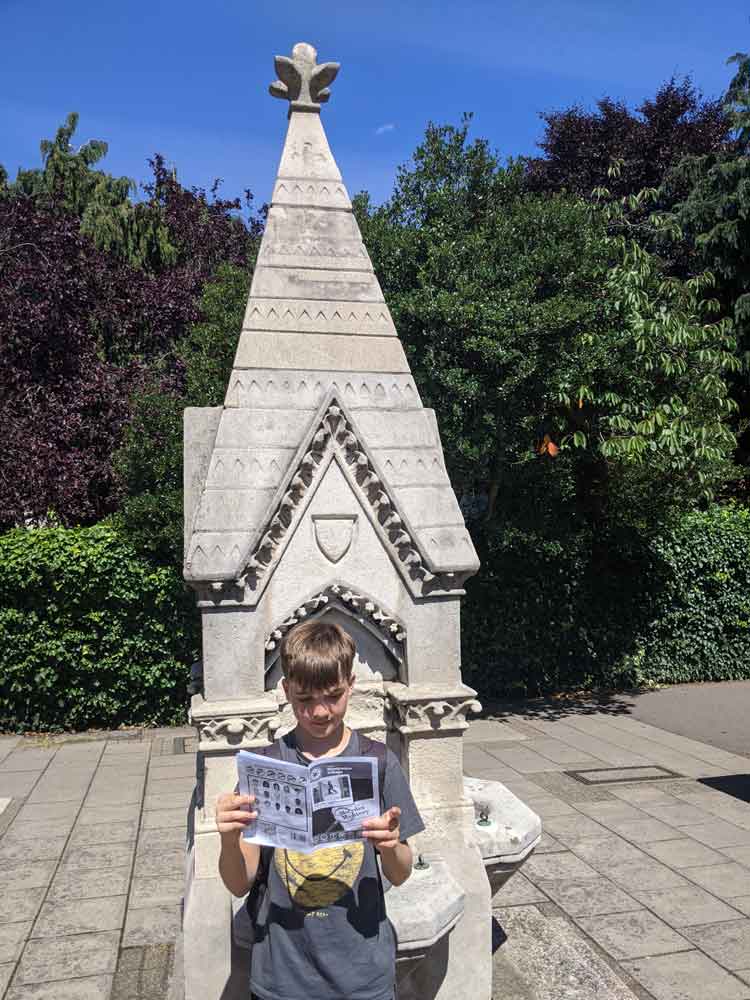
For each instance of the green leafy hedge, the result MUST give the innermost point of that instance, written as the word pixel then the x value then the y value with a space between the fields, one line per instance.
pixel 565 610
pixel 90 634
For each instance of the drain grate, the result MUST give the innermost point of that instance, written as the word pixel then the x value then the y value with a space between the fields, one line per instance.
pixel 616 775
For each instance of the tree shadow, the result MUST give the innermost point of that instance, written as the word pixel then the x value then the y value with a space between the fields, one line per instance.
pixel 736 785
pixel 615 703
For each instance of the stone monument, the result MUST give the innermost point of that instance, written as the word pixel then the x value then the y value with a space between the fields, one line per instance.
pixel 319 489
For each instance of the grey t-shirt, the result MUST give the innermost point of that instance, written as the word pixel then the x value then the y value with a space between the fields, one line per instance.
pixel 322 932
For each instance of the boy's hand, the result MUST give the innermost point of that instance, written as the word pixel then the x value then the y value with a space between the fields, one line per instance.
pixel 383 831
pixel 233 812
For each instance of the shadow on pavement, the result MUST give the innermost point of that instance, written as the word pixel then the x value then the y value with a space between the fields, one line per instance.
pixel 736 785
pixel 554 709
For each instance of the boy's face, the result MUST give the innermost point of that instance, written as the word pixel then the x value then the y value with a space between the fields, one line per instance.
pixel 320 714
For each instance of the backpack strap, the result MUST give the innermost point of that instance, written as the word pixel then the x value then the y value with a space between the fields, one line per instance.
pixel 378 750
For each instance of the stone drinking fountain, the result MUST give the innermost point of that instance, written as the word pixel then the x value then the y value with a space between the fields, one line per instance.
pixel 319 489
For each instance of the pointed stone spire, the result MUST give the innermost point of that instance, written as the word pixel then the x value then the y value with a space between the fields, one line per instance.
pixel 314 280
pixel 317 332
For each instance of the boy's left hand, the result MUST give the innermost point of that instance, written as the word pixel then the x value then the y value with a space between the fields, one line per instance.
pixel 383 831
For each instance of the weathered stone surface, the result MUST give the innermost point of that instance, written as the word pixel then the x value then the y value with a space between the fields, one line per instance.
pixel 683 906
pixel 633 935
pixel 684 853
pixel 583 897
pixel 68 958
pixel 726 943
pixel 151 925
pixel 73 883
pixel 724 881
pixel 20 904
pixel 87 988
pixel 686 976
pixel 12 937
pixel 59 917
pixel 550 961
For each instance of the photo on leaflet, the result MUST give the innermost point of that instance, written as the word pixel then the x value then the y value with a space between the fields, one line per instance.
pixel 334 796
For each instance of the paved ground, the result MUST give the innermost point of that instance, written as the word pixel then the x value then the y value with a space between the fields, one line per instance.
pixel 640 889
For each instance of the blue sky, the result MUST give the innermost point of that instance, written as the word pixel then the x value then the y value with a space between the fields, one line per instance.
pixel 189 79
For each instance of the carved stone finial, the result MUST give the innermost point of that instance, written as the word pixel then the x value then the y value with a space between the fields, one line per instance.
pixel 301 81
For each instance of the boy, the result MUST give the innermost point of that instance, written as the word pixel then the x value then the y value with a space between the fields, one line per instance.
pixel 322 932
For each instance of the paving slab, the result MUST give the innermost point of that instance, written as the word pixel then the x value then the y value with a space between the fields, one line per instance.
pixel 34 759
pixel 165 890
pixel 561 865
pixel 741 854
pixel 726 943
pixel 12 938
pixel 608 851
pixel 100 833
pixel 724 881
pixel 718 833
pixel 28 874
pixel 95 814
pixel 637 794
pixel 569 829
pixel 156 861
pixel 46 812
pixel 6 972
pixel 741 903
pixel 646 874
pixel 180 800
pixel 548 844
pixel 164 818
pixel 58 917
pixel 684 853
pixel 15 850
pixel 641 831
pixel 96 856
pixel 87 988
pixel 633 935
pixel 20 904
pixel 73 883
pixel 587 897
pixel 550 960
pixel 151 925
pixel 49 960
pixel 18 784
pixel 686 976
pixel 682 906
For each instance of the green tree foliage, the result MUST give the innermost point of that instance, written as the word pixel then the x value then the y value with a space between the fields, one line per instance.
pixel 90 635
pixel 532 327
pixel 581 393
pixel 68 183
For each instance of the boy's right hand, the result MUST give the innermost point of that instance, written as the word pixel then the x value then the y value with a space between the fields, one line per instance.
pixel 234 812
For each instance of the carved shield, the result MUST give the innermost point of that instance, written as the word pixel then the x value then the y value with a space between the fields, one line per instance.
pixel 334 535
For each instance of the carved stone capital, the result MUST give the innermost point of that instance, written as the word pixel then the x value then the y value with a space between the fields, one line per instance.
pixel 419 709
pixel 234 725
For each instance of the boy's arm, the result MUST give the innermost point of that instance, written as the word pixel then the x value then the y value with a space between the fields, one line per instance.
pixel 238 861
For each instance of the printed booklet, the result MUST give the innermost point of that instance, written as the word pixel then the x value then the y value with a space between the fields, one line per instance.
pixel 308 807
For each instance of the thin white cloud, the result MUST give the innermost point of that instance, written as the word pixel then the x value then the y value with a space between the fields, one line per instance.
pixel 382 129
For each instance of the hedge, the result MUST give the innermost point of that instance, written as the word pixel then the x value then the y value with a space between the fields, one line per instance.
pixel 91 635
pixel 573 612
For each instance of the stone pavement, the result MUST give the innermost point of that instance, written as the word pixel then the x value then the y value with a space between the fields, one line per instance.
pixel 640 888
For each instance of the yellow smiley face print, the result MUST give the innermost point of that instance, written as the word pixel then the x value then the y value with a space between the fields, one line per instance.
pixel 321 878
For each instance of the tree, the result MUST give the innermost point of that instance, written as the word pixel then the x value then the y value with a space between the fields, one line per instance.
pixel 580 145
pixel 97 292
pixel 581 393
pixel 714 214
pixel 529 320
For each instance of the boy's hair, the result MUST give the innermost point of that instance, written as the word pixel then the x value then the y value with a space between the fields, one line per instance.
pixel 317 655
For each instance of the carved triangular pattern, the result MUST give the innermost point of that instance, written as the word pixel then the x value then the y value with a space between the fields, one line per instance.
pixel 335 432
